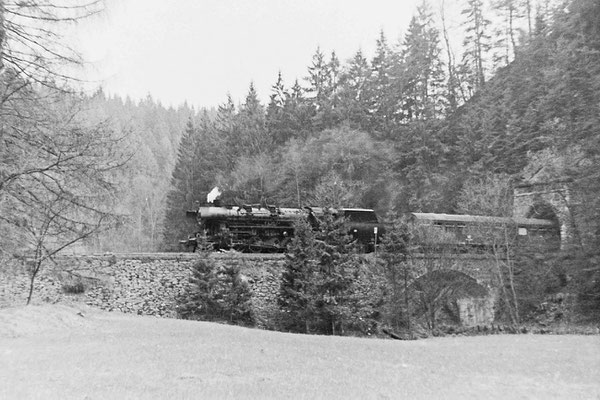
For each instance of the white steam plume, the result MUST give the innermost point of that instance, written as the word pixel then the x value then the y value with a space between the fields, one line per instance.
pixel 212 196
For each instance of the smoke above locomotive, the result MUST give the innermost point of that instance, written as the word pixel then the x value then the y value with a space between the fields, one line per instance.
pixel 213 195
pixel 267 228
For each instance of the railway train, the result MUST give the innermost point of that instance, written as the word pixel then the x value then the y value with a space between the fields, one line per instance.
pixel 256 228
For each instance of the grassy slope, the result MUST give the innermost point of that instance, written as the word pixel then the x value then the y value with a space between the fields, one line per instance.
pixel 51 352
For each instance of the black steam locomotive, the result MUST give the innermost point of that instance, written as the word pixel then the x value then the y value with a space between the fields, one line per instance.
pixel 256 228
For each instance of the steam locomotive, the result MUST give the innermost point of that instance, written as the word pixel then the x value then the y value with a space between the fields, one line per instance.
pixel 258 228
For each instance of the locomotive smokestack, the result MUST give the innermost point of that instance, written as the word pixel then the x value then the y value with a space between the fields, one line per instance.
pixel 213 195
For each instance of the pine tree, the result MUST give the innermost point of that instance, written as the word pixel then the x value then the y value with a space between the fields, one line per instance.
pixel 354 95
pixel 236 297
pixel 452 83
pixel 298 278
pixel 298 112
pixel 200 160
pixel 382 99
pixel 200 300
pixel 317 79
pixel 185 190
pixel 253 134
pixel 476 45
pixel 316 285
pixel 216 293
pixel 421 75
pixel 336 274
pixel 507 41
pixel 323 80
pixel 228 131
pixel 275 118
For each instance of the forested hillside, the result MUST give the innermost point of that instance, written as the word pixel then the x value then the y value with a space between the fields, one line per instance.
pixel 412 127
pixel 151 135
pixel 408 128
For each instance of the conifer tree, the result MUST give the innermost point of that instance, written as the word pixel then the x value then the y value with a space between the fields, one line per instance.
pixel 253 134
pixel 318 77
pixel 316 285
pixel 237 296
pixel 276 125
pixel 476 45
pixel 216 293
pixel 199 301
pixel 382 99
pixel 298 278
pixel 336 274
pixel 185 190
pixel 506 41
pixel 228 131
pixel 354 92
pixel 421 75
pixel 200 159
pixel 298 112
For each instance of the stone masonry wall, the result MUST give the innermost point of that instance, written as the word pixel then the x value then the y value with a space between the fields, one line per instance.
pixel 150 284
pixel 145 285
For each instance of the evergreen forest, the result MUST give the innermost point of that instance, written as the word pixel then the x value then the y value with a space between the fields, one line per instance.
pixel 412 128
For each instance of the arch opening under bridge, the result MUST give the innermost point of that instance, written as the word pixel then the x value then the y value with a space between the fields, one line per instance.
pixel 451 297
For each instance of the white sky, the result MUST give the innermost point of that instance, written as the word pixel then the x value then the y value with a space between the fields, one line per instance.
pixel 200 50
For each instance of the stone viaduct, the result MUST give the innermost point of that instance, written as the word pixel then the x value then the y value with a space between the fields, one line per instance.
pixel 149 284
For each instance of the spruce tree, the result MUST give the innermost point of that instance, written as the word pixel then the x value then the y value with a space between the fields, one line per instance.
pixel 200 300
pixel 476 45
pixel 253 137
pixel 420 78
pixel 316 286
pixel 236 301
pixel 382 99
pixel 298 278
pixel 184 190
pixel 336 274
pixel 354 96
pixel 276 125
pixel 216 293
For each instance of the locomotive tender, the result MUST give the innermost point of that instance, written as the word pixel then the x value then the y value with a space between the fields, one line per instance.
pixel 257 228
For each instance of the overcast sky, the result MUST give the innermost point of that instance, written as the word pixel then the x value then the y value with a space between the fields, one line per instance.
pixel 200 50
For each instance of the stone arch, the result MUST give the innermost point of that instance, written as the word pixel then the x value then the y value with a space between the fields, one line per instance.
pixel 542 210
pixel 547 238
pixel 449 296
pixel 546 200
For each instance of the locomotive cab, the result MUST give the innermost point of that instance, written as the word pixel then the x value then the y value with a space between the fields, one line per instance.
pixel 363 226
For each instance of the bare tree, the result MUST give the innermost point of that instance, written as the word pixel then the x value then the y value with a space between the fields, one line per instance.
pixel 31 42
pixel 56 169
pixel 56 180
pixel 491 196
